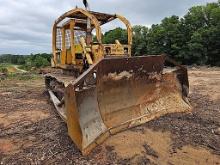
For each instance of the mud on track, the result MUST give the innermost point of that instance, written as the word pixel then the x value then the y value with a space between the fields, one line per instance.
pixel 32 133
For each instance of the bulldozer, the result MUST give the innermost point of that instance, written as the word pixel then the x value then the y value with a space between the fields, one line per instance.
pixel 100 89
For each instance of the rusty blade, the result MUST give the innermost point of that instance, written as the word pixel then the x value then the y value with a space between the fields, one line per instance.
pixel 139 65
pixel 126 85
pixel 126 92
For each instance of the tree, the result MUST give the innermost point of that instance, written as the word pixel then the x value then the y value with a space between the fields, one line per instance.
pixel 40 62
pixel 192 39
pixel 166 37
pixel 116 34
pixel 203 26
pixel 139 45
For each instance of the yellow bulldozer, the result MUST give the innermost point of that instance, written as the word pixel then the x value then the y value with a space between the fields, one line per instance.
pixel 100 89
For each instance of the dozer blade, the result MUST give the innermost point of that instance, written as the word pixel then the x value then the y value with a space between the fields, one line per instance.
pixel 120 93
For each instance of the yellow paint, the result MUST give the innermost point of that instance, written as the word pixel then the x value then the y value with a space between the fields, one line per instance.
pixel 92 53
pixel 69 56
pixel 78 49
pixel 72 24
pixel 74 129
pixel 63 53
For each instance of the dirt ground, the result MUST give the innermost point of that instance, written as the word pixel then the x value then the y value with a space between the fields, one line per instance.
pixel 32 133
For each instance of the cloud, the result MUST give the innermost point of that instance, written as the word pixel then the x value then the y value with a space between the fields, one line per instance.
pixel 25 25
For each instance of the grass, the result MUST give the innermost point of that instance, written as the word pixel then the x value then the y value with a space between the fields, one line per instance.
pixel 4 65
pixel 15 74
pixel 9 68
pixel 22 76
pixel 23 67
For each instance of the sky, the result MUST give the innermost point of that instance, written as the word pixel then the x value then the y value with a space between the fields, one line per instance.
pixel 25 25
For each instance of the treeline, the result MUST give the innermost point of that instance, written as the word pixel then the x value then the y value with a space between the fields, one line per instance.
pixel 192 39
pixel 27 61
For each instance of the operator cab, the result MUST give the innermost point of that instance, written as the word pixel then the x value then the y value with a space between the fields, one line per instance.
pixel 73 39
